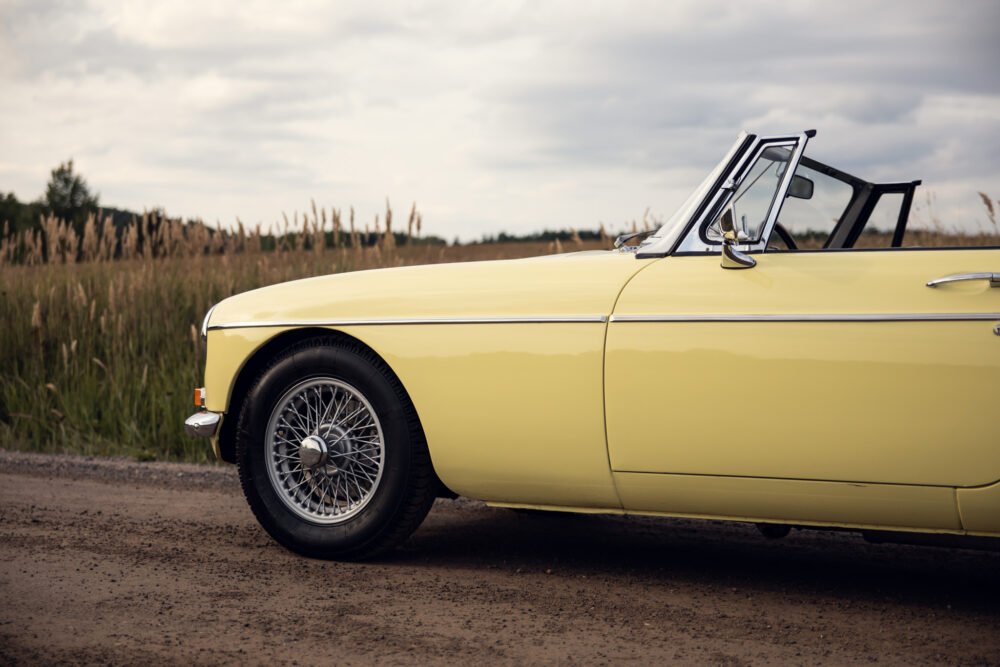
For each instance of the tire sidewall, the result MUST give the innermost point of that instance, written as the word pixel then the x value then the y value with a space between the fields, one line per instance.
pixel 285 526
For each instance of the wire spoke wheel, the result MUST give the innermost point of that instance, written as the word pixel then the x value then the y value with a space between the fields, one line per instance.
pixel 324 450
pixel 332 457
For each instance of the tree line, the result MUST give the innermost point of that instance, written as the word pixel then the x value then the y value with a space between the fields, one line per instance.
pixel 69 198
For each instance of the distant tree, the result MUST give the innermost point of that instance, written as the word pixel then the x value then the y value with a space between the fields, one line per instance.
pixel 10 209
pixel 67 195
pixel 18 215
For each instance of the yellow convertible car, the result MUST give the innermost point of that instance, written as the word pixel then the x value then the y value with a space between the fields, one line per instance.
pixel 774 353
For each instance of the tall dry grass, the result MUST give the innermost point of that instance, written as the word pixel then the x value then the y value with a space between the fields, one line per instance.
pixel 100 347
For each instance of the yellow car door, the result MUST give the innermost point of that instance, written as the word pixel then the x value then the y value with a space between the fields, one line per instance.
pixel 820 387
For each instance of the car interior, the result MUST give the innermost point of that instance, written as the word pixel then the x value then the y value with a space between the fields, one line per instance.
pixel 829 209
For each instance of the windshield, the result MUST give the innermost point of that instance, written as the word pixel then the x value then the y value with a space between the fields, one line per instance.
pixel 754 199
pixel 675 225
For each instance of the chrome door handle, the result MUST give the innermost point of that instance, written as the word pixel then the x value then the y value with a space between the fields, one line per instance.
pixel 994 278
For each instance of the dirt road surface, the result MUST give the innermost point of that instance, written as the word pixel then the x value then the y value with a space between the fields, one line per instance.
pixel 110 561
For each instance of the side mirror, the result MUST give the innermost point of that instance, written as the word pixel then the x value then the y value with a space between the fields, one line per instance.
pixel 731 257
pixel 800 187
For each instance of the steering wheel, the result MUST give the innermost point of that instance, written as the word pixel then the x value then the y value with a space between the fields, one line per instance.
pixel 786 238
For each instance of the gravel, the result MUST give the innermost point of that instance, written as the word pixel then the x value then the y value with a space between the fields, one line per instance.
pixel 114 561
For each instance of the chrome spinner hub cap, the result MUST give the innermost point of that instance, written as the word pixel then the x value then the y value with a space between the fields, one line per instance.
pixel 312 451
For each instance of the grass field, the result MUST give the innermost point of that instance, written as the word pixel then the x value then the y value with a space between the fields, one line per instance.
pixel 99 356
pixel 99 347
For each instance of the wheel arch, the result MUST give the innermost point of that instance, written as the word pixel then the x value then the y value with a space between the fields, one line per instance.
pixel 247 374
pixel 259 360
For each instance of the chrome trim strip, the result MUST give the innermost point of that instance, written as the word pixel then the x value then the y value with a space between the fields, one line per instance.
pixel 819 317
pixel 574 319
pixel 204 322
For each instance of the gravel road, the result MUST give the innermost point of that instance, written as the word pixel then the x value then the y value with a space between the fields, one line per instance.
pixel 113 561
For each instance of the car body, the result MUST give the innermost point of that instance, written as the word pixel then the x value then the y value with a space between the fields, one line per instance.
pixel 707 372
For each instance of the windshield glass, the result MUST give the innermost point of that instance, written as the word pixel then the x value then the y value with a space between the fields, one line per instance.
pixel 755 196
pixel 675 225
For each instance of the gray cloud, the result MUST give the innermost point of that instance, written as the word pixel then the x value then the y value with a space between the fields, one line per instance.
pixel 507 116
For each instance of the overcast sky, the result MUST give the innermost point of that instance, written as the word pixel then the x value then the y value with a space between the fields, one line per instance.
pixel 492 116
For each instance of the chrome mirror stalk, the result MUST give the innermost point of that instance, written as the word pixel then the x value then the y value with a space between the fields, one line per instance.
pixel 732 258
pixel 735 259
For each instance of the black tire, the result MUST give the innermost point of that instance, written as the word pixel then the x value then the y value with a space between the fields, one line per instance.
pixel 403 495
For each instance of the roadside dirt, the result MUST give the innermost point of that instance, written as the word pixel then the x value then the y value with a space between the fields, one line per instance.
pixel 110 561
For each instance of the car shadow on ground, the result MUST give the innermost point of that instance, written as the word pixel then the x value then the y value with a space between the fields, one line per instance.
pixel 672 552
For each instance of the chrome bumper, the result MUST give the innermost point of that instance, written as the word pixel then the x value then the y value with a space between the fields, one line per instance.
pixel 202 424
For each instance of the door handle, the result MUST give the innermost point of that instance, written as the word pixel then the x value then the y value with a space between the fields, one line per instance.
pixel 994 278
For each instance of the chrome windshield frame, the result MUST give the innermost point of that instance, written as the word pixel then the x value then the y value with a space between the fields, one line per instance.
pixel 685 235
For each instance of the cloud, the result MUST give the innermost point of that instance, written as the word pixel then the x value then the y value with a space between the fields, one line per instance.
pixel 508 116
